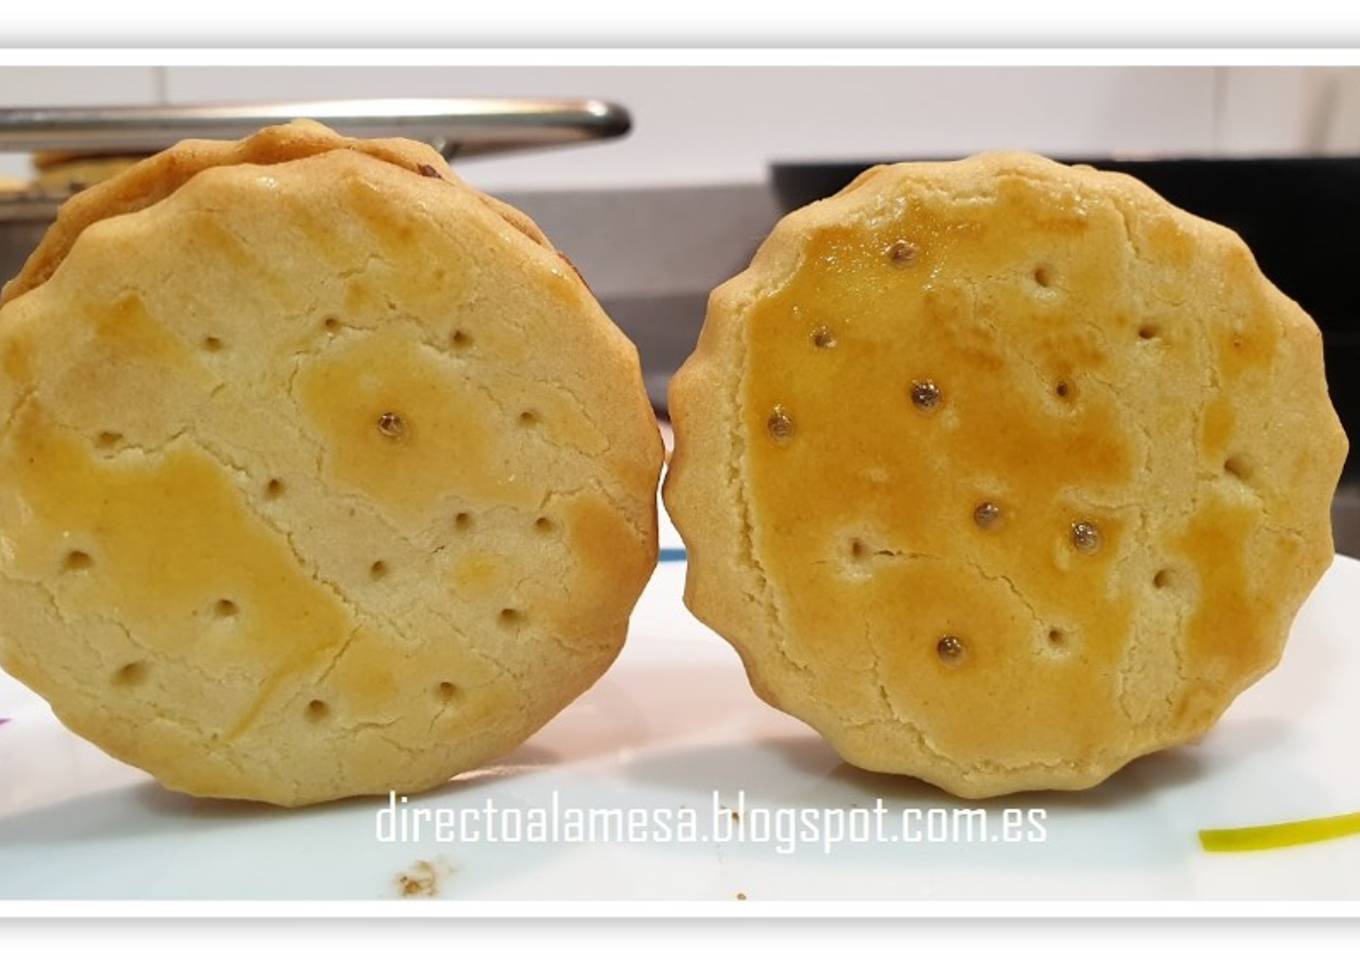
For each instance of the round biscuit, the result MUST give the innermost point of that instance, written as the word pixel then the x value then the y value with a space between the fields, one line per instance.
pixel 1001 473
pixel 321 474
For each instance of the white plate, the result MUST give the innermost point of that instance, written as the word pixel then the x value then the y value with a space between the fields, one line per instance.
pixel 670 724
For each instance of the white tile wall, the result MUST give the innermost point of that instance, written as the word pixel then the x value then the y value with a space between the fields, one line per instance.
pixel 708 125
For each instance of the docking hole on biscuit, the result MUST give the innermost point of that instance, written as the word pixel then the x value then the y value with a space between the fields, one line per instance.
pixel 823 337
pixel 107 440
pixel 903 253
pixel 1164 578
pixel 273 488
pixel 510 617
pixel 528 418
pixel 331 324
pixel 987 515
pixel 1043 276
pixel 1239 467
pixel 950 649
pixel 1085 537
pixel 225 609
pixel 378 570
pixel 1057 639
pixel 212 344
pixel 858 550
pixel 446 691
pixel 130 674
pixel 779 424
pixel 460 340
pixel 1063 389
pixel 76 561
pixel 462 521
pixel 925 394
pixel 1149 332
pixel 317 710
pixel 391 425
pixel 543 525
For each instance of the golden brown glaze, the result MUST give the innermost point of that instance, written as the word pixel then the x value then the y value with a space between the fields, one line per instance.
pixel 292 506
pixel 1027 471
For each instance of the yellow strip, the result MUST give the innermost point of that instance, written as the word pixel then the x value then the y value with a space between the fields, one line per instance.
pixel 1270 836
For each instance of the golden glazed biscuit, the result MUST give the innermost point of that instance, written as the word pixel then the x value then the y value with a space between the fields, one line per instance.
pixel 1001 473
pixel 320 473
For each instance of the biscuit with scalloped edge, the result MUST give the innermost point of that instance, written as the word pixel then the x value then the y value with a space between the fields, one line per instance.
pixel 1001 473
pixel 321 474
